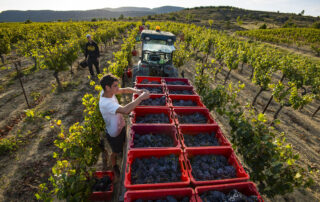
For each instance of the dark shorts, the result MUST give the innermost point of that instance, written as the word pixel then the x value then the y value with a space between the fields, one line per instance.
pixel 116 143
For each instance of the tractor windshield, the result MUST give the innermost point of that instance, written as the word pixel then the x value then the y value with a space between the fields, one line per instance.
pixel 156 57
pixel 157 53
pixel 156 42
pixel 158 48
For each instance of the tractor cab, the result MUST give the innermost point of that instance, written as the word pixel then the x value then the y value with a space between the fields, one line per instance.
pixel 156 54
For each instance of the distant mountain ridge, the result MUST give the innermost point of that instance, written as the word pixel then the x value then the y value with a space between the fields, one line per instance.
pixel 126 9
pixel 50 15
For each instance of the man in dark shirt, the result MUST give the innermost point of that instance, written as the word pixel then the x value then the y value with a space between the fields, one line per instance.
pixel 92 54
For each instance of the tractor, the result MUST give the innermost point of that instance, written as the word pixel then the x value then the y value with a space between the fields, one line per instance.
pixel 156 55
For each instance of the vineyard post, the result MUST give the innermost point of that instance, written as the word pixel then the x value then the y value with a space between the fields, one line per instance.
pixel 316 112
pixel 279 98
pixel 71 71
pixel 5 46
pixel 257 95
pixel 252 71
pixel 241 67
pixel 275 116
pixel 270 99
pixel 266 107
pixel 17 65
pixel 2 58
pixel 35 62
pixel 226 78
pixel 232 63
pixel 55 74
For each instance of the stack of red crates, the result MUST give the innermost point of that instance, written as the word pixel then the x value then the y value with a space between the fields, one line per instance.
pixel 188 186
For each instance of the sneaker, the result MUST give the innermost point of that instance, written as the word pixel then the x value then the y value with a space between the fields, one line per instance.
pixel 116 170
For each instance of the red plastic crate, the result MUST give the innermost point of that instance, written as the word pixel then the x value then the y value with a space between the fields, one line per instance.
pixel 141 86
pixel 172 87
pixel 151 110
pixel 105 195
pixel 179 193
pixel 194 130
pixel 225 151
pixel 168 79
pixel 153 96
pixel 246 188
pixel 194 98
pixel 142 129
pixel 139 79
pixel 133 154
pixel 192 110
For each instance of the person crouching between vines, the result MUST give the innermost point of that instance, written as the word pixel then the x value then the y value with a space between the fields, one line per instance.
pixel 92 55
pixel 112 114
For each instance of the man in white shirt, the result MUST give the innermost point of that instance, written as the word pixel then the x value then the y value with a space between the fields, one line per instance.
pixel 112 114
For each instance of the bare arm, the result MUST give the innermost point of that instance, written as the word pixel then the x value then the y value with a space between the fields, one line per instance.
pixel 128 90
pixel 132 105
pixel 131 90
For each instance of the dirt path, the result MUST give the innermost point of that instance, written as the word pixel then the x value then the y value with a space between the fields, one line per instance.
pixel 22 171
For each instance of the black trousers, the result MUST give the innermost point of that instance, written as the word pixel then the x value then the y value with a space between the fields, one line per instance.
pixel 116 143
pixel 95 62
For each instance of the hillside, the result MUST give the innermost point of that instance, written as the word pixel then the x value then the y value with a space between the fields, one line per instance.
pixel 225 18
pixel 49 15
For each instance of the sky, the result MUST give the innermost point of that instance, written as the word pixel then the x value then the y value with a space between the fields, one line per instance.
pixel 311 7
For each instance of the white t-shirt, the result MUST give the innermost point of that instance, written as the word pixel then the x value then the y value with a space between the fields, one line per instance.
pixel 114 121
